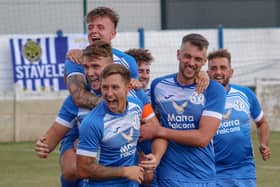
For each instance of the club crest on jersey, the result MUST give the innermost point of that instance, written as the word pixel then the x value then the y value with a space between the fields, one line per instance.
pixel 168 96
pixel 129 136
pixel 197 98
pixel 179 107
pixel 32 51
pixel 227 114
pixel 239 105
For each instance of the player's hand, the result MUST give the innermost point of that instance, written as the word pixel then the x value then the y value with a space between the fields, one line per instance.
pixel 42 148
pixel 148 162
pixel 75 55
pixel 136 84
pixel 265 151
pixel 148 131
pixel 134 173
pixel 202 81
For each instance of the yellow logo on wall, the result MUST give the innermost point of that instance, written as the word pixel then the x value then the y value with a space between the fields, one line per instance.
pixel 32 51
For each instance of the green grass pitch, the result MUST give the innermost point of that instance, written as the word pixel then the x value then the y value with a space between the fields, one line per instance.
pixel 19 165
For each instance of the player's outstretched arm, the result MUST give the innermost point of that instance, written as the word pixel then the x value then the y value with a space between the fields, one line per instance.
pixel 263 136
pixel 77 88
pixel 50 139
pixel 88 168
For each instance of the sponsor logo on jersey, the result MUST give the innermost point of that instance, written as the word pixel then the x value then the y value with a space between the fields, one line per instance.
pixel 168 96
pixel 128 149
pixel 179 108
pixel 116 130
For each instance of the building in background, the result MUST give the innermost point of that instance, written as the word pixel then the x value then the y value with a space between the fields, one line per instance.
pixel 189 14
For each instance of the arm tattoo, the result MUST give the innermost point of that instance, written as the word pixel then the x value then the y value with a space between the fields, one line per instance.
pixel 82 97
pixel 91 169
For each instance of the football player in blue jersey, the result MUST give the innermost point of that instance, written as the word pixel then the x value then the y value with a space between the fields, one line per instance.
pixel 233 147
pixel 189 119
pixel 144 60
pixel 107 147
pixel 102 23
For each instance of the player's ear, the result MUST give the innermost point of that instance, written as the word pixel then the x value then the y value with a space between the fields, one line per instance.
pixel 129 86
pixel 231 72
pixel 178 54
pixel 113 34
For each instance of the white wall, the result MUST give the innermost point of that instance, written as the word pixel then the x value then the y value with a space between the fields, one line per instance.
pixel 268 92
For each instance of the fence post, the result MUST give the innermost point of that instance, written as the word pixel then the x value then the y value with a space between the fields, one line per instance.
pixel 221 36
pixel 59 33
pixel 84 15
pixel 141 37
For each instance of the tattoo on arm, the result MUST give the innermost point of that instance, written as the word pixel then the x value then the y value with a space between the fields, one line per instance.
pixel 82 97
pixel 89 168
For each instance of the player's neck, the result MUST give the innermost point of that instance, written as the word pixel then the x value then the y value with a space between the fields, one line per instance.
pixel 184 81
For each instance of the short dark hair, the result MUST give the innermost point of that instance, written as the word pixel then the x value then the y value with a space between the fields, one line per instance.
pixel 220 53
pixel 197 40
pixel 103 12
pixel 97 49
pixel 119 69
pixel 141 55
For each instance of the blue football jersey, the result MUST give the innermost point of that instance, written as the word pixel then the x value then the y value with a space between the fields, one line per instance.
pixel 233 146
pixel 70 114
pixel 111 138
pixel 181 107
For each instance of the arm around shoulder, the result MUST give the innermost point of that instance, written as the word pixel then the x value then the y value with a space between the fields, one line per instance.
pixel 77 88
